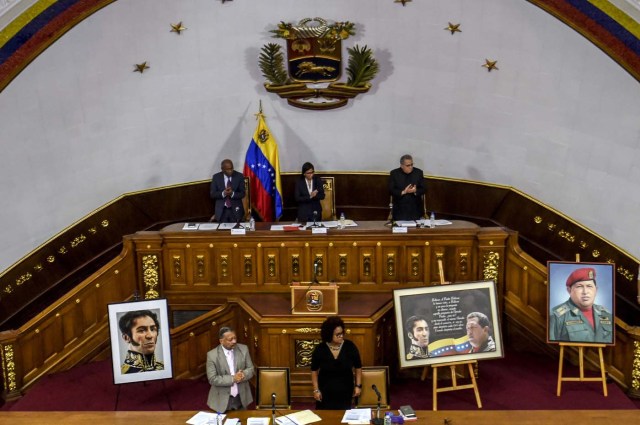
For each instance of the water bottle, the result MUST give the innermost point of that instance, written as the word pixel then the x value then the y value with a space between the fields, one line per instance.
pixel 387 418
pixel 252 224
pixel 432 220
pixel 342 220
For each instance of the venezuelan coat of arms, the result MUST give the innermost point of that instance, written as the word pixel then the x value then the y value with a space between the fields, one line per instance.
pixel 313 68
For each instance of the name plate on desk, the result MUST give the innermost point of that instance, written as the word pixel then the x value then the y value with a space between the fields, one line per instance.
pixel 238 231
pixel 314 299
pixel 319 230
pixel 399 229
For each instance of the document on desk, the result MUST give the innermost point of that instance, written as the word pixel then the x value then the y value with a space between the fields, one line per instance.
pixel 302 417
pixel 406 223
pixel 258 421
pixel 208 226
pixel 357 416
pixel 202 418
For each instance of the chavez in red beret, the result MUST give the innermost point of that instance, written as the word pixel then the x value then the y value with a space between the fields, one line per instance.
pixel 580 275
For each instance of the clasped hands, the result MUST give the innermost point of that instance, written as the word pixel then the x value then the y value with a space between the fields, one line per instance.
pixel 227 191
pixel 313 194
pixel 411 188
pixel 238 377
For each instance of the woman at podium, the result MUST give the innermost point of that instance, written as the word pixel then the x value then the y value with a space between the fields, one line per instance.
pixel 336 368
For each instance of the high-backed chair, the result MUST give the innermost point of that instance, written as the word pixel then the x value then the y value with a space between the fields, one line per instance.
pixel 329 201
pixel 424 208
pixel 270 380
pixel 378 376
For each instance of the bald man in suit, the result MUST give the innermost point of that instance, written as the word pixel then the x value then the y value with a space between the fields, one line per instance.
pixel 229 369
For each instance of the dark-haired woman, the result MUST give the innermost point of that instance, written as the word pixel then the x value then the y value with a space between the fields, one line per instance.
pixel 336 368
pixel 308 194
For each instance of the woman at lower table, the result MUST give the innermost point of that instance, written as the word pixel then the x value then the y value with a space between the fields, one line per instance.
pixel 336 368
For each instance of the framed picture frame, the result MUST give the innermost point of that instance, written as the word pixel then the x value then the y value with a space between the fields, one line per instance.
pixel 581 303
pixel 447 323
pixel 140 342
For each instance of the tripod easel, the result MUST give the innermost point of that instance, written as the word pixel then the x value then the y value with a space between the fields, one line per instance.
pixel 582 378
pixel 454 382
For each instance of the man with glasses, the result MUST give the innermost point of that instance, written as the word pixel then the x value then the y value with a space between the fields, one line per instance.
pixel 406 186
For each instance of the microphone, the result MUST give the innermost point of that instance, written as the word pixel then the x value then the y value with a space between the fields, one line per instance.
pixel 315 217
pixel 273 399
pixel 273 408
pixel 391 222
pixel 375 389
pixel 237 214
pixel 315 271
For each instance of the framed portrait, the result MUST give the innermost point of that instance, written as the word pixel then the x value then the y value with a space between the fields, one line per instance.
pixel 140 345
pixel 581 305
pixel 448 323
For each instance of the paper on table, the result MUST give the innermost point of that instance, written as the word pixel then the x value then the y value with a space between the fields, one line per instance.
pixel 258 421
pixel 357 416
pixel 303 417
pixel 208 226
pixel 406 223
pixel 190 226
pixel 202 418
pixel 232 421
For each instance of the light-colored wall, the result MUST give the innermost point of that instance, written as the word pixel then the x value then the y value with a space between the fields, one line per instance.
pixel 558 120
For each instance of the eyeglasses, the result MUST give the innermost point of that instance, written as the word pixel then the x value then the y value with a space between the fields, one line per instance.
pixel 340 335
pixel 408 165
pixel 309 172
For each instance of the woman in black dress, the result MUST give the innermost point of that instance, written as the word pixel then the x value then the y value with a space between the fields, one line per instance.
pixel 333 363
pixel 308 194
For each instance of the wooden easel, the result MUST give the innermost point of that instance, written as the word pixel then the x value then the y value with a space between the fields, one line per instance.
pixel 425 371
pixel 454 381
pixel 582 378
pixel 581 347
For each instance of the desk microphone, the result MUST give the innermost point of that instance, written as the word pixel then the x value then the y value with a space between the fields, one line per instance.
pixel 375 389
pixel 315 272
pixel 377 420
pixel 315 217
pixel 273 408
pixel 237 214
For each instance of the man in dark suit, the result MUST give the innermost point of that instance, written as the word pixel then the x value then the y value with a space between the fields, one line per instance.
pixel 406 186
pixel 229 370
pixel 227 191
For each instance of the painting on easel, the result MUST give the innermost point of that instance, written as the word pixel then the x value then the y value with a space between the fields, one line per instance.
pixel 447 323
pixel 140 346
pixel 581 303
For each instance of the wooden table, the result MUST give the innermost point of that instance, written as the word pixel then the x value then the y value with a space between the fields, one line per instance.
pixel 459 417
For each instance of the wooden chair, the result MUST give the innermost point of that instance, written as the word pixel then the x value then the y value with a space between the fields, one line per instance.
pixel 329 201
pixel 271 380
pixel 378 376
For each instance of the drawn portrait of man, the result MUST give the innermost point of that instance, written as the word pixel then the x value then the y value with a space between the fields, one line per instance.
pixel 139 331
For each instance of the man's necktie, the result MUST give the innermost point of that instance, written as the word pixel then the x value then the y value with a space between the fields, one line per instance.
pixel 227 199
pixel 232 369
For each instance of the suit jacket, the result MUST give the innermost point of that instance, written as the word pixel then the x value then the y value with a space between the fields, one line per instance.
pixel 218 186
pixel 408 206
pixel 306 204
pixel 221 379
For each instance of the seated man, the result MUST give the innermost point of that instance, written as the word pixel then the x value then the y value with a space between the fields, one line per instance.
pixel 406 186
pixel 227 191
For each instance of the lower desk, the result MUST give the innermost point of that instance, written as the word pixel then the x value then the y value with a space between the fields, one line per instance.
pixel 457 417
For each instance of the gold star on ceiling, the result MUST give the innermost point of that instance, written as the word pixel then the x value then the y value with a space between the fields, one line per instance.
pixel 490 65
pixel 454 28
pixel 141 67
pixel 402 1
pixel 177 28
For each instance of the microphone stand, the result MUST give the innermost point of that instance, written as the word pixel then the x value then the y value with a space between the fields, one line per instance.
pixel 315 220
pixel 273 409
pixel 238 225
pixel 391 222
pixel 315 273
pixel 377 420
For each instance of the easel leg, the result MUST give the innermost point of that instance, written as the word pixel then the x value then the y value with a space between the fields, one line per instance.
pixel 560 371
pixel 435 388
pixel 475 386
pixel 603 373
pixel 425 372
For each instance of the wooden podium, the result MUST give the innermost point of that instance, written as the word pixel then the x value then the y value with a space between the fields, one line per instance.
pixel 314 299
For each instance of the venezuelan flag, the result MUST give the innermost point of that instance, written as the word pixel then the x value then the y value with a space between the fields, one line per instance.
pixel 262 166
